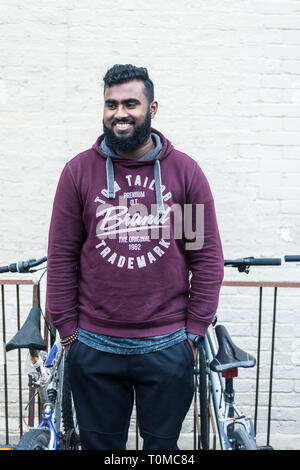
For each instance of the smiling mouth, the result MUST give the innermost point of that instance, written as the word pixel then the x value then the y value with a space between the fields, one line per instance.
pixel 123 126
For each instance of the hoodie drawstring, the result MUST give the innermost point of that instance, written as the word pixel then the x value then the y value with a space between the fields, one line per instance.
pixel 158 190
pixel 157 178
pixel 110 178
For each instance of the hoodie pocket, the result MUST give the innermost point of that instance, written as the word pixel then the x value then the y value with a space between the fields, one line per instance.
pixel 71 350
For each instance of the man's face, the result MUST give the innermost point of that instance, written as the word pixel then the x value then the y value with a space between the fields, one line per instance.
pixel 127 116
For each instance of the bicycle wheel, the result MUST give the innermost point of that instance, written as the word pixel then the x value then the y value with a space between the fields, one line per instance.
pixel 203 401
pixel 241 440
pixel 34 439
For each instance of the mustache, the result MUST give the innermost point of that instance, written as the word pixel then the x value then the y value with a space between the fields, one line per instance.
pixel 122 121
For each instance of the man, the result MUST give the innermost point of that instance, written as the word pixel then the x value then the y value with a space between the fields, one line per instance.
pixel 131 218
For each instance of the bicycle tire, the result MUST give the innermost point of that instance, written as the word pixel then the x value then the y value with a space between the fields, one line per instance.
pixel 34 439
pixel 203 401
pixel 241 440
pixel 66 400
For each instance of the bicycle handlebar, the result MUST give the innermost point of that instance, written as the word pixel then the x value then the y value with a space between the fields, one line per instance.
pixel 243 264
pixel 23 266
pixel 291 258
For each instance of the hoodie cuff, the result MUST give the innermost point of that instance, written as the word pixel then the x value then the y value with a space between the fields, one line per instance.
pixel 67 329
pixel 196 327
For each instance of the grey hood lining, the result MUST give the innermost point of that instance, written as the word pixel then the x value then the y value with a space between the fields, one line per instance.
pixel 152 155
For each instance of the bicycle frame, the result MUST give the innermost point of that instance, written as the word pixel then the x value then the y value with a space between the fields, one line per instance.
pixel 48 384
pixel 48 422
pixel 227 414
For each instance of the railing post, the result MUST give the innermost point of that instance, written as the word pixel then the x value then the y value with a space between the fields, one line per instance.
pixel 35 303
pixel 271 366
pixel 5 366
pixel 19 363
pixel 258 357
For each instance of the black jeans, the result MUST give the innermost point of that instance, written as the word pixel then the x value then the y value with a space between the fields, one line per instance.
pixel 103 387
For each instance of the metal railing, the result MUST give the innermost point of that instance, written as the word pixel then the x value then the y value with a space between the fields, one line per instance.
pixel 33 410
pixel 261 286
pixel 32 406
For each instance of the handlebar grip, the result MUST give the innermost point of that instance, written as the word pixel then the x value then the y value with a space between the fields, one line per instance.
pixel 250 261
pixel 22 266
pixel 4 269
pixel 264 261
pixel 291 258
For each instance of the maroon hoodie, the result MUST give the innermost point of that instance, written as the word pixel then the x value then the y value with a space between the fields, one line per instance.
pixel 124 236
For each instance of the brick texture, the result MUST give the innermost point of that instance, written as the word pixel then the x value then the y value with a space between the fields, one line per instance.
pixel 227 78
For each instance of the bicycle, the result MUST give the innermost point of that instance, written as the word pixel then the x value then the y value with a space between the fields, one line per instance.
pixel 217 365
pixel 57 429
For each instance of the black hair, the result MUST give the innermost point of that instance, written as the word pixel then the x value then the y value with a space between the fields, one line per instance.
pixel 125 73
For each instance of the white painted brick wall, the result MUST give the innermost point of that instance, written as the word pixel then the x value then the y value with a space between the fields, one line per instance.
pixel 227 77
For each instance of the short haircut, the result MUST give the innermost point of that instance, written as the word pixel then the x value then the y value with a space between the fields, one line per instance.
pixel 125 73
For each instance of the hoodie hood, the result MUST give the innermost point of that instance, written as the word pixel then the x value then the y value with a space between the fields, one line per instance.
pixel 154 157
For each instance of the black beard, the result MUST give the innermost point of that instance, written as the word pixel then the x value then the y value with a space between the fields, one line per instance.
pixel 131 143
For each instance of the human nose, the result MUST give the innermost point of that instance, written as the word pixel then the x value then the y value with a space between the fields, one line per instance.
pixel 121 112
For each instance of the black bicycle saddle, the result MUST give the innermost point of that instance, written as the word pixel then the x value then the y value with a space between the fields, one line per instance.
pixel 229 356
pixel 29 335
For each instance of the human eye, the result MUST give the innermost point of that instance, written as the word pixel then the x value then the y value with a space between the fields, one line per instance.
pixel 131 104
pixel 110 105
